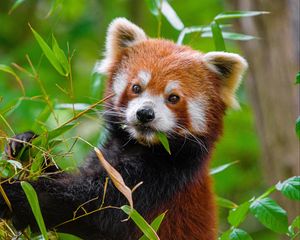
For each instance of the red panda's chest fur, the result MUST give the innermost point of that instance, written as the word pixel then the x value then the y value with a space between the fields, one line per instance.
pixel 190 213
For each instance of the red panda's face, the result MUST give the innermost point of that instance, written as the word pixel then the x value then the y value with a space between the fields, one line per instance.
pixel 162 87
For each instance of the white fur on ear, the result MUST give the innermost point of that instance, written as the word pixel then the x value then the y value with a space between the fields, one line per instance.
pixel 230 67
pixel 121 34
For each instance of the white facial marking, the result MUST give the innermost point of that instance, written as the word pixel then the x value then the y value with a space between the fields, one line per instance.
pixel 144 77
pixel 197 114
pixel 164 120
pixel 171 86
pixel 119 84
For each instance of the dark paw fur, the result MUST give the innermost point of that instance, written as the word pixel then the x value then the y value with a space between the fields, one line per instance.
pixel 14 147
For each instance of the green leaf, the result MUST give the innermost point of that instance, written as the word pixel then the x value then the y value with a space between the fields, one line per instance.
pixel 164 141
pixel 270 214
pixel 140 222
pixel 298 127
pixel 54 6
pixel 98 85
pixel 171 15
pixel 239 14
pixel 48 52
pixel 59 131
pixel 16 4
pixel 66 236
pixel 290 188
pixel 223 202
pixel 153 6
pixel 238 215
pixel 60 55
pixel 155 224
pixel 298 78
pixel 217 36
pixel 7 69
pixel 239 234
pixel 230 36
pixel 35 207
pixel 221 168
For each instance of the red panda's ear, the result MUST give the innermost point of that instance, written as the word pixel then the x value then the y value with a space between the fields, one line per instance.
pixel 230 68
pixel 121 34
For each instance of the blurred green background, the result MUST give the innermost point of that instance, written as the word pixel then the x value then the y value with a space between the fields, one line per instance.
pixel 82 24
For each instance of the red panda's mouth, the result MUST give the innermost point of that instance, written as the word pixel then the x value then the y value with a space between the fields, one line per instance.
pixel 144 130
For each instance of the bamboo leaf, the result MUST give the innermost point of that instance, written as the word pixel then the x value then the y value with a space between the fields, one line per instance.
pixel 171 15
pixel 155 224
pixel 221 168
pixel 153 6
pixel 60 55
pixel 270 214
pixel 164 141
pixel 238 14
pixel 35 207
pixel 116 177
pixel 290 188
pixel 66 236
pixel 217 36
pixel 7 69
pixel 48 52
pixel 230 36
pixel 54 6
pixel 223 202
pixel 140 222
pixel 15 6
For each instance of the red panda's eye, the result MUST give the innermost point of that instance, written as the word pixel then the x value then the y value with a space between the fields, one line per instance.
pixel 136 89
pixel 173 98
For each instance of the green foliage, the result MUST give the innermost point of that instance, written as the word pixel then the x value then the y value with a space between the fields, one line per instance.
pixel 290 188
pixel 164 141
pixel 35 206
pixel 270 214
pixel 56 56
pixel 140 222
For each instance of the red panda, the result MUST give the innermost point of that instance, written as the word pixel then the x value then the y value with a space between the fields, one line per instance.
pixel 158 86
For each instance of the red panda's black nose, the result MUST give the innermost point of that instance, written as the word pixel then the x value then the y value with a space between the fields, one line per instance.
pixel 145 115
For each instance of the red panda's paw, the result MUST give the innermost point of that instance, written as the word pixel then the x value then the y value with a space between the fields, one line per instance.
pixel 18 144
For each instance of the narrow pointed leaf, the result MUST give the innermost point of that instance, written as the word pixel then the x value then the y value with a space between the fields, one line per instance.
pixel 270 214
pixel 290 188
pixel 164 141
pixel 239 14
pixel 230 36
pixel 66 236
pixel 60 55
pixel 155 224
pixel 221 168
pixel 153 6
pixel 223 202
pixel 7 69
pixel 35 207
pixel 140 222
pixel 15 5
pixel 48 52
pixel 54 6
pixel 217 36
pixel 171 15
